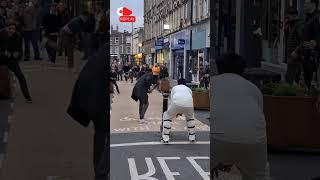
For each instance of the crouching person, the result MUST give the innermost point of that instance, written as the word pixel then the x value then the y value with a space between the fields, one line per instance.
pixel 181 103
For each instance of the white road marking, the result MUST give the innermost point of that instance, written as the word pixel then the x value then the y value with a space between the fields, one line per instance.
pixel 157 143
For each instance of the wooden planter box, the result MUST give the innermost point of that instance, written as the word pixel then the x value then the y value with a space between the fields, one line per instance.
pixel 292 122
pixel 5 85
pixel 201 100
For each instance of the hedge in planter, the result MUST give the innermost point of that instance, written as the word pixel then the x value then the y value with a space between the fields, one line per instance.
pixel 201 99
pixel 292 118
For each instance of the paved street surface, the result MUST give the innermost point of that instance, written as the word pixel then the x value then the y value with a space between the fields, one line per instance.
pixel 43 141
pixel 136 150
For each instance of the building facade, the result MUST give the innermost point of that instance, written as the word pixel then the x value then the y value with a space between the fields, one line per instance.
pixel 120 45
pixel 137 41
pixel 176 34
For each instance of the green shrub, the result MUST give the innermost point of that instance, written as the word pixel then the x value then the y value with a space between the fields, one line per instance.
pixel 283 90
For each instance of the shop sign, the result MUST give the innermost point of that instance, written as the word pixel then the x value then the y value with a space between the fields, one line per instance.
pixel 159 42
pixel 181 41
pixel 166 40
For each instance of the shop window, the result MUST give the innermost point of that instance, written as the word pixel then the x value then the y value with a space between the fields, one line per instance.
pixel 117 40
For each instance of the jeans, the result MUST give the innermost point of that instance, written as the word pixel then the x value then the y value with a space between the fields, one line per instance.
pixel 88 44
pixel 51 51
pixel 31 36
pixel 13 66
pixel 119 76
pixel 143 106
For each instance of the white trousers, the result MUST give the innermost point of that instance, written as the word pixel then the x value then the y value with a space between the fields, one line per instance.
pixel 172 112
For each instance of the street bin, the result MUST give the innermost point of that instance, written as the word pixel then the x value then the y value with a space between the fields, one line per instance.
pixel 5 85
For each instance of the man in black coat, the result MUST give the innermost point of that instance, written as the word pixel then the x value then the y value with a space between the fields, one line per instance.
pixel 140 93
pixel 10 53
pixel 89 102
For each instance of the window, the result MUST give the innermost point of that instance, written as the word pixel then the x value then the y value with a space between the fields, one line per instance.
pixel 117 40
pixel 128 39
pixel 128 50
pixel 111 41
pixel 111 50
pixel 116 50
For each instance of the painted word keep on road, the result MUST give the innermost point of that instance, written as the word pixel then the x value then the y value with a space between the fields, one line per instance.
pixel 169 174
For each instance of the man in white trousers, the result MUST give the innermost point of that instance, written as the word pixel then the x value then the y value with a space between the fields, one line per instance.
pixel 181 103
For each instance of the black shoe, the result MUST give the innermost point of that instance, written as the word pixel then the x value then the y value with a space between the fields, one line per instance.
pixel 29 101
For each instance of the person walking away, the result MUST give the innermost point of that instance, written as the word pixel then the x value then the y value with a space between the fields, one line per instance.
pixel 113 79
pixel 140 93
pixel 30 33
pixel 238 131
pixel 68 35
pixel 3 19
pixel 51 29
pixel 155 71
pixel 181 103
pixel 10 53
pixel 89 103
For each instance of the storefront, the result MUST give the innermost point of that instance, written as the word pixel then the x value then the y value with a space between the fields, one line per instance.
pixel 178 45
pixel 159 53
pixel 149 51
pixel 199 56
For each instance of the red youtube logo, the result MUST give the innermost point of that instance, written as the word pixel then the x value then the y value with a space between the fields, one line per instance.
pixel 123 11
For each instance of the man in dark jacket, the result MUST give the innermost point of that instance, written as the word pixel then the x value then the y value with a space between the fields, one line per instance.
pixel 89 102
pixel 10 53
pixel 51 27
pixel 311 40
pixel 140 93
pixel 293 32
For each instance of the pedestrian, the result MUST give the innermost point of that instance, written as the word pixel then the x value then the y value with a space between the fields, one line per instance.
pixel 64 17
pixel 89 103
pixel 68 36
pixel 102 31
pixel 113 78
pixel 126 70
pixel 238 131
pixel 140 93
pixel 30 32
pixel 310 45
pixel 181 103
pixel 88 39
pixel 155 71
pixel 164 72
pixel 120 72
pixel 10 53
pixel 51 29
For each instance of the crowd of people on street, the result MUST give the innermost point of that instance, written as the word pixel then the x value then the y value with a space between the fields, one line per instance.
pixel 25 22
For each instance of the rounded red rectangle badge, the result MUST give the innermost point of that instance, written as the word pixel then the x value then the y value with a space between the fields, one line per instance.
pixel 127 19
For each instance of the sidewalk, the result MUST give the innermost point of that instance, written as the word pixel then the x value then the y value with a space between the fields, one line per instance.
pixel 43 140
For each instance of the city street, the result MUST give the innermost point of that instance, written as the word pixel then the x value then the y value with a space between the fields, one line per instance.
pixel 43 142
pixel 136 150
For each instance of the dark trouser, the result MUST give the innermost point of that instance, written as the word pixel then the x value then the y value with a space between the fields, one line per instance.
pixel 119 77
pixel 143 106
pixel 51 51
pixel 31 36
pixel 13 65
pixel 309 67
pixel 88 44
pixel 155 79
pixel 293 71
pixel 68 42
pixel 100 154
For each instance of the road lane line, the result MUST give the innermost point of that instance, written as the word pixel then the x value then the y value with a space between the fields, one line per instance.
pixel 158 143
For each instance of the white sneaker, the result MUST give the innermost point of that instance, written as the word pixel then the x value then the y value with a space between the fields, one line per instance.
pixel 141 121
pixel 165 138
pixel 192 138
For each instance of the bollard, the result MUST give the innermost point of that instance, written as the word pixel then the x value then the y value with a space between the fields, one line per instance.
pixel 164 107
